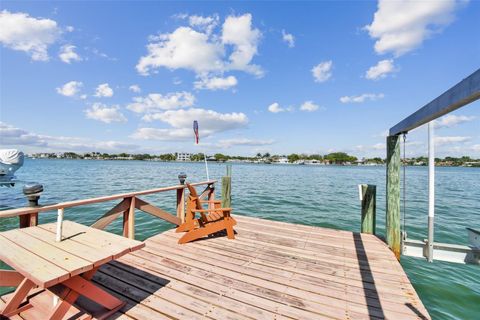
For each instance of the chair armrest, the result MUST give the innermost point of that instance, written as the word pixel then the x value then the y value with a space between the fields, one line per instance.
pixel 212 210
pixel 210 201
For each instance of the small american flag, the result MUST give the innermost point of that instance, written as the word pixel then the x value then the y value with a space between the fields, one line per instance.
pixel 195 129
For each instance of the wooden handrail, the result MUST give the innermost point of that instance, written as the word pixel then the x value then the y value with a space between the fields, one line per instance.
pixel 31 210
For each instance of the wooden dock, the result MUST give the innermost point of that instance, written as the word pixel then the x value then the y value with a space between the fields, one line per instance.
pixel 272 270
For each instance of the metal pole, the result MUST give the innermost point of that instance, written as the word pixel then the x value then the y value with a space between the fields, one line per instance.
pixel 206 165
pixel 59 225
pixel 431 189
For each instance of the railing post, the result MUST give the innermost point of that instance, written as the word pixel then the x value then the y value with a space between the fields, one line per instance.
pixel 125 221
pixel 368 194
pixel 28 220
pixel 181 198
pixel 392 220
pixel 32 191
pixel 129 220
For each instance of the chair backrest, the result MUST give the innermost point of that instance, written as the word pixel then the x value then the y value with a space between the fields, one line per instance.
pixel 193 197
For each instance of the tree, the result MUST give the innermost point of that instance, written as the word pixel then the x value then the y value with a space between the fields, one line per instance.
pixel 197 157
pixel 259 155
pixel 293 157
pixel 221 157
pixel 266 155
pixel 339 157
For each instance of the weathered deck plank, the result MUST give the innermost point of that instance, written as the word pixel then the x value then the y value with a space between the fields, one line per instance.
pixel 272 270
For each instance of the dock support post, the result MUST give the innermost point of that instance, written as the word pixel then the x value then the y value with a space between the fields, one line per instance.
pixel 227 188
pixel 369 204
pixel 393 195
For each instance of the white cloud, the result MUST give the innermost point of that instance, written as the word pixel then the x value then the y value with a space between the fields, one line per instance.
pixel 202 51
pixel 67 54
pixel 452 139
pixel 70 89
pixel 21 138
pixel 209 121
pixel 104 90
pixel 288 38
pixel 206 24
pixel 162 134
pixel 275 108
pixel 135 88
pixel 157 102
pixel 322 71
pixel 216 83
pixel 362 98
pixel 21 32
pixel 238 31
pixel 184 48
pixel 401 26
pixel 380 70
pixel 309 106
pixel 451 120
pixel 102 112
pixel 228 143
pixel 15 136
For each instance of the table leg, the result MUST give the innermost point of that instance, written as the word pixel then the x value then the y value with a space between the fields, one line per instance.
pixel 12 306
pixel 81 285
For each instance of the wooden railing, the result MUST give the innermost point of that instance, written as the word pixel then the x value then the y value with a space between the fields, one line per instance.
pixel 28 216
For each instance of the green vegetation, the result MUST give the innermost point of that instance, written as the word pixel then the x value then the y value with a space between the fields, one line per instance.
pixel 340 157
pixel 335 158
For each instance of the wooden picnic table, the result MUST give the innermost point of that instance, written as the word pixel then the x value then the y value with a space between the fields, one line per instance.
pixel 64 267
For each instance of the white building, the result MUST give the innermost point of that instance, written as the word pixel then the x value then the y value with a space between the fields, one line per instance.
pixel 183 156
pixel 282 160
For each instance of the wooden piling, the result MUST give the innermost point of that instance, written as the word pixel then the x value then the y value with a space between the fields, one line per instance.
pixel 227 188
pixel 369 204
pixel 392 220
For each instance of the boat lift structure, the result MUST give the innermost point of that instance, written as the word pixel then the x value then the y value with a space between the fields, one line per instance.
pixel 463 93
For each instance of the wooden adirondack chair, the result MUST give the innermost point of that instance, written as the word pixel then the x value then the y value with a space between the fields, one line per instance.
pixel 209 222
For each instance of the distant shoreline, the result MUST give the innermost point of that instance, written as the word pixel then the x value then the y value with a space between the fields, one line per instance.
pixel 258 163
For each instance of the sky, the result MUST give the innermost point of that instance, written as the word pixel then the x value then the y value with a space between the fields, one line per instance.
pixel 278 77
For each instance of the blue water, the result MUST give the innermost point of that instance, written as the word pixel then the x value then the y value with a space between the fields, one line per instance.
pixel 314 195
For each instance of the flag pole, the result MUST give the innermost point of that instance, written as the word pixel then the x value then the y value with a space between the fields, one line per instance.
pixel 195 130
pixel 206 165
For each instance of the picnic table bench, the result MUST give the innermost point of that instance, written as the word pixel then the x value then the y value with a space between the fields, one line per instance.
pixel 65 268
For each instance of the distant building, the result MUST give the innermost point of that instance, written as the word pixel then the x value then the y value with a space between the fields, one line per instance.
pixel 281 161
pixel 313 162
pixel 183 156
